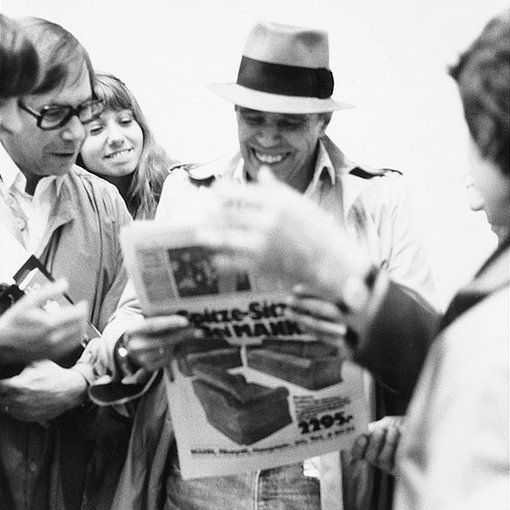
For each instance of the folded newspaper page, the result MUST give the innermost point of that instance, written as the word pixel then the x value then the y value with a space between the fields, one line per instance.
pixel 255 392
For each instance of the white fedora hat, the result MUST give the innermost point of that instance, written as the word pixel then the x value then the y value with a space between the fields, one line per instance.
pixel 284 69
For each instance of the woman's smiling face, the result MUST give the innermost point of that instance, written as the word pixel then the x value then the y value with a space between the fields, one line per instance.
pixel 114 144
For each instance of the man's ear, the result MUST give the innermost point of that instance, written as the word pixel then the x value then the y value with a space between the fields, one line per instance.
pixel 325 119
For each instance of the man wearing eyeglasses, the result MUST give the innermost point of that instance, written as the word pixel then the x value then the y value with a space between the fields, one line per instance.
pixel 70 220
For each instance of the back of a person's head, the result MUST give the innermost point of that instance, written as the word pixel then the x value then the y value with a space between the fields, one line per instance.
pixel 19 64
pixel 483 76
pixel 62 58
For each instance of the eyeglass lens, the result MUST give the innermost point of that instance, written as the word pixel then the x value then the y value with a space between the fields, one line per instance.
pixel 57 116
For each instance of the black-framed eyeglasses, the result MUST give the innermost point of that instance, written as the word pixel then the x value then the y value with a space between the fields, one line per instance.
pixel 56 116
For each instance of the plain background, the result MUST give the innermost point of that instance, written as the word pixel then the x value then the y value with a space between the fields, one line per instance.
pixel 388 58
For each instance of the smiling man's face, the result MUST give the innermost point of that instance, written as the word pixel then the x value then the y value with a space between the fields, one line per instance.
pixel 287 143
pixel 40 153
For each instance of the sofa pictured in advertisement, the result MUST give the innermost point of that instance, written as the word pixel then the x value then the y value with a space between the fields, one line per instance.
pixel 244 412
pixel 207 351
pixel 311 365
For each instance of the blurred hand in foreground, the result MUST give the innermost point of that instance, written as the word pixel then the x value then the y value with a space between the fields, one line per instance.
pixel 272 229
pixel 31 330
pixel 380 444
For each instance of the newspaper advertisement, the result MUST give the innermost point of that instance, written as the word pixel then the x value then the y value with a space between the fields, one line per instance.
pixel 254 392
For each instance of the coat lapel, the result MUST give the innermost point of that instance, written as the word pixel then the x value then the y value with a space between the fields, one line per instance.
pixel 494 275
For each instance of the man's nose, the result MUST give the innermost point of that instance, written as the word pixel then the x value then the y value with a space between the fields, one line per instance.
pixel 73 130
pixel 268 136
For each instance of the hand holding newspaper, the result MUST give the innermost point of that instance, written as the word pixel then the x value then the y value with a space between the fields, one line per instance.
pixel 252 391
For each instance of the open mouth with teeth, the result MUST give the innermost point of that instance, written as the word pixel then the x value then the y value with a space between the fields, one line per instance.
pixel 270 159
pixel 118 153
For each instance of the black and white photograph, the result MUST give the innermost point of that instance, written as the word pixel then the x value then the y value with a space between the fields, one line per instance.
pixel 341 169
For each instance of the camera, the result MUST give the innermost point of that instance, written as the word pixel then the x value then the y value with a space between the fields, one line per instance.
pixel 9 294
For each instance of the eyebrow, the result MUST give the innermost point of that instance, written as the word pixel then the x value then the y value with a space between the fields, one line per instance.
pixel 53 104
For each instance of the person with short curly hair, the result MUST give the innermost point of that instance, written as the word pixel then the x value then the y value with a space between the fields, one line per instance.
pixel 483 79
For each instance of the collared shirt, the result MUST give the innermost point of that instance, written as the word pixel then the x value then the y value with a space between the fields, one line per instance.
pixel 323 168
pixel 32 211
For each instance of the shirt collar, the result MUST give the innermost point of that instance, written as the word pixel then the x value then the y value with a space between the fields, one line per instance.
pixel 239 174
pixel 11 175
pixel 323 167
pixel 9 171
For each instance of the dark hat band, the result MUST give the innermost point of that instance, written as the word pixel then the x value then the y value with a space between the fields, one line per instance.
pixel 285 80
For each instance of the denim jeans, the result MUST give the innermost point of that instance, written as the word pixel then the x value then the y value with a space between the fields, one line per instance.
pixel 282 488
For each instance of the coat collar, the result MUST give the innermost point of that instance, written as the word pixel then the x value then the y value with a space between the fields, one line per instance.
pixel 492 277
pixel 495 273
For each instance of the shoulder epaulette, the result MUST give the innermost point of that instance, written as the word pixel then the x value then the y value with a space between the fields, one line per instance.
pixel 199 175
pixel 388 170
pixel 369 173
pixel 180 166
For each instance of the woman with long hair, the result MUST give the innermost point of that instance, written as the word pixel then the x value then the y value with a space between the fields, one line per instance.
pixel 121 148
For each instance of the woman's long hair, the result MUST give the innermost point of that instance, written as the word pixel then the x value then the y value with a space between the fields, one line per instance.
pixel 154 165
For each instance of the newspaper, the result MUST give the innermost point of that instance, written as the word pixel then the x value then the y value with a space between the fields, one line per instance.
pixel 255 392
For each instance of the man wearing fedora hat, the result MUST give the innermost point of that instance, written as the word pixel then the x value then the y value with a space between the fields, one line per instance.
pixel 283 101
